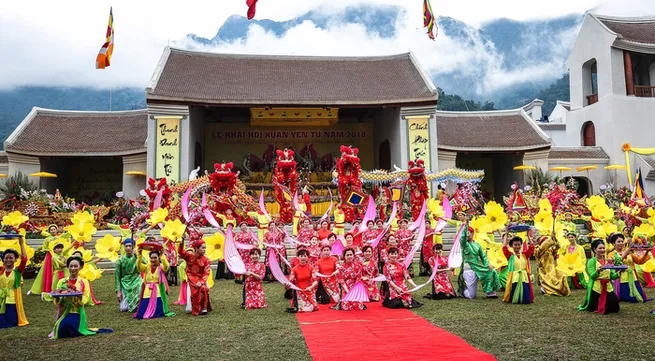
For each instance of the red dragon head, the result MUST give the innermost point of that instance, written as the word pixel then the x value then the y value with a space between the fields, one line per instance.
pixel 223 180
pixel 349 156
pixel 285 159
pixel 416 168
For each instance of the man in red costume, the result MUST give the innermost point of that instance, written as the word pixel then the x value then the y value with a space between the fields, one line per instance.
pixel 417 185
pixel 197 270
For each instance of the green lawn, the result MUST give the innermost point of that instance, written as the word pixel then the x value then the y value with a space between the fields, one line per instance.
pixel 550 329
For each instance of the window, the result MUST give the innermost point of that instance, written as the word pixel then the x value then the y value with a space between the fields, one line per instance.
pixel 590 82
pixel 588 134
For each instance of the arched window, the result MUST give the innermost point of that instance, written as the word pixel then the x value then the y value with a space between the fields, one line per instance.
pixel 588 134
pixel 590 81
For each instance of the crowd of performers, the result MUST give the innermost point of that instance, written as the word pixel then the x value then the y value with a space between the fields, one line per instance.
pixel 346 267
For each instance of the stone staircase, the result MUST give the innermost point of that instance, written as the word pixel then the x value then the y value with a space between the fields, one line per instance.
pixel 448 240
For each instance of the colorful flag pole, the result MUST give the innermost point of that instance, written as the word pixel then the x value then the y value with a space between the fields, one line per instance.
pixel 639 194
pixel 104 56
pixel 428 19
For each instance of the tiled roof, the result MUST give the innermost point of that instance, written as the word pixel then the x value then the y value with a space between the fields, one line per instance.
pixel 640 30
pixel 208 78
pixel 488 131
pixel 577 153
pixel 57 132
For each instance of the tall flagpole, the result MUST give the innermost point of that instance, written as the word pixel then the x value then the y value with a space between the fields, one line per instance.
pixel 110 98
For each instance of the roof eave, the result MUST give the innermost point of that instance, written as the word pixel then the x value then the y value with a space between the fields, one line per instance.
pixel 623 44
pixel 76 154
pixel 493 149
pixel 258 102
pixel 19 129
pixel 152 84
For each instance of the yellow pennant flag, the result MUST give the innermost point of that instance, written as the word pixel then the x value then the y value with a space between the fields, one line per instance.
pixel 104 56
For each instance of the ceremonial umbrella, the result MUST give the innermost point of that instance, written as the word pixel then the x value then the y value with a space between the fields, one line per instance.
pixel 2 175
pixel 560 169
pixel 586 168
pixel 43 175
pixel 136 173
pixel 525 167
pixel 615 168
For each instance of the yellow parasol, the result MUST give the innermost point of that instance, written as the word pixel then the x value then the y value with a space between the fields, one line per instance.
pixel 615 168
pixel 136 173
pixel 561 169
pixel 43 175
pixel 586 168
pixel 2 175
pixel 525 167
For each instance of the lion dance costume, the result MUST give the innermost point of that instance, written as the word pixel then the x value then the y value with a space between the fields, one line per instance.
pixel 348 168
pixel 285 181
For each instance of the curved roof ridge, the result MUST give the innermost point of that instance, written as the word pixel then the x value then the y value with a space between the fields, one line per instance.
pixel 290 56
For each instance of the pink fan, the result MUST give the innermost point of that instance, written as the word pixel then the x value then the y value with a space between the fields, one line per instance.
pixel 455 255
pixel 357 293
pixel 276 271
pixel 243 246
pixel 337 247
pixel 448 213
pixel 377 239
pixel 327 213
pixel 421 218
pixel 232 256
pixel 208 213
pixel 185 204
pixel 394 211
pixel 369 215
pixel 157 201
pixel 379 278
pixel 434 273
pixel 296 205
pixel 262 205
pixel 419 238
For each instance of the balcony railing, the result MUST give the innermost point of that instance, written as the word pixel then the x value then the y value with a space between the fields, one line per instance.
pixel 644 91
pixel 591 99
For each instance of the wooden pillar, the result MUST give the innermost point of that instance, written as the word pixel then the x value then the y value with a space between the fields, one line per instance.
pixel 627 63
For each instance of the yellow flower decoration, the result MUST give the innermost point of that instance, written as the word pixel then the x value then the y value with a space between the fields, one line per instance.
pixel 570 264
pixel 603 212
pixel 14 219
pixel 436 210
pixel 81 232
pixel 545 206
pixel 606 229
pixel 83 218
pixel 13 244
pixel 87 254
pixel 158 216
pixel 90 272
pixel 645 230
pixel 215 246
pixel 495 215
pixel 626 147
pixel 173 230
pixel 650 212
pixel 543 222
pixel 108 247
pixel 481 228
pixel 594 201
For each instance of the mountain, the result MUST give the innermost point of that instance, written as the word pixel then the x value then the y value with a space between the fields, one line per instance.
pixel 17 103
pixel 504 61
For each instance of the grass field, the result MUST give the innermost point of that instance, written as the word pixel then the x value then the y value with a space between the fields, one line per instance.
pixel 550 329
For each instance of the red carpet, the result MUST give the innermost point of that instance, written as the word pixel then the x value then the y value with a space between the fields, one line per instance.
pixel 380 334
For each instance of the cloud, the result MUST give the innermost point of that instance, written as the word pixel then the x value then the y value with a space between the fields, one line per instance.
pixel 56 45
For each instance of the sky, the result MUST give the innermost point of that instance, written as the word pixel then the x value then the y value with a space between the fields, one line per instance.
pixel 55 43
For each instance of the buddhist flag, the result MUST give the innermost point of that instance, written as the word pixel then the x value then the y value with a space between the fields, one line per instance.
pixel 251 8
pixel 104 56
pixel 639 194
pixel 428 18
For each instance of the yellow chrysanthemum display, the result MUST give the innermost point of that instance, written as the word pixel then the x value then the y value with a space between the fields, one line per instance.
pixel 108 247
pixel 603 213
pixel 481 228
pixel 570 264
pixel 82 217
pixel 157 216
pixel 173 230
pixel 215 246
pixel 81 232
pixel 495 215
pixel 14 219
pixel 543 223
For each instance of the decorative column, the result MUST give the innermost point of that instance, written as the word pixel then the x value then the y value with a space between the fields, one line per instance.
pixel 421 129
pixel 168 143
pixel 627 63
